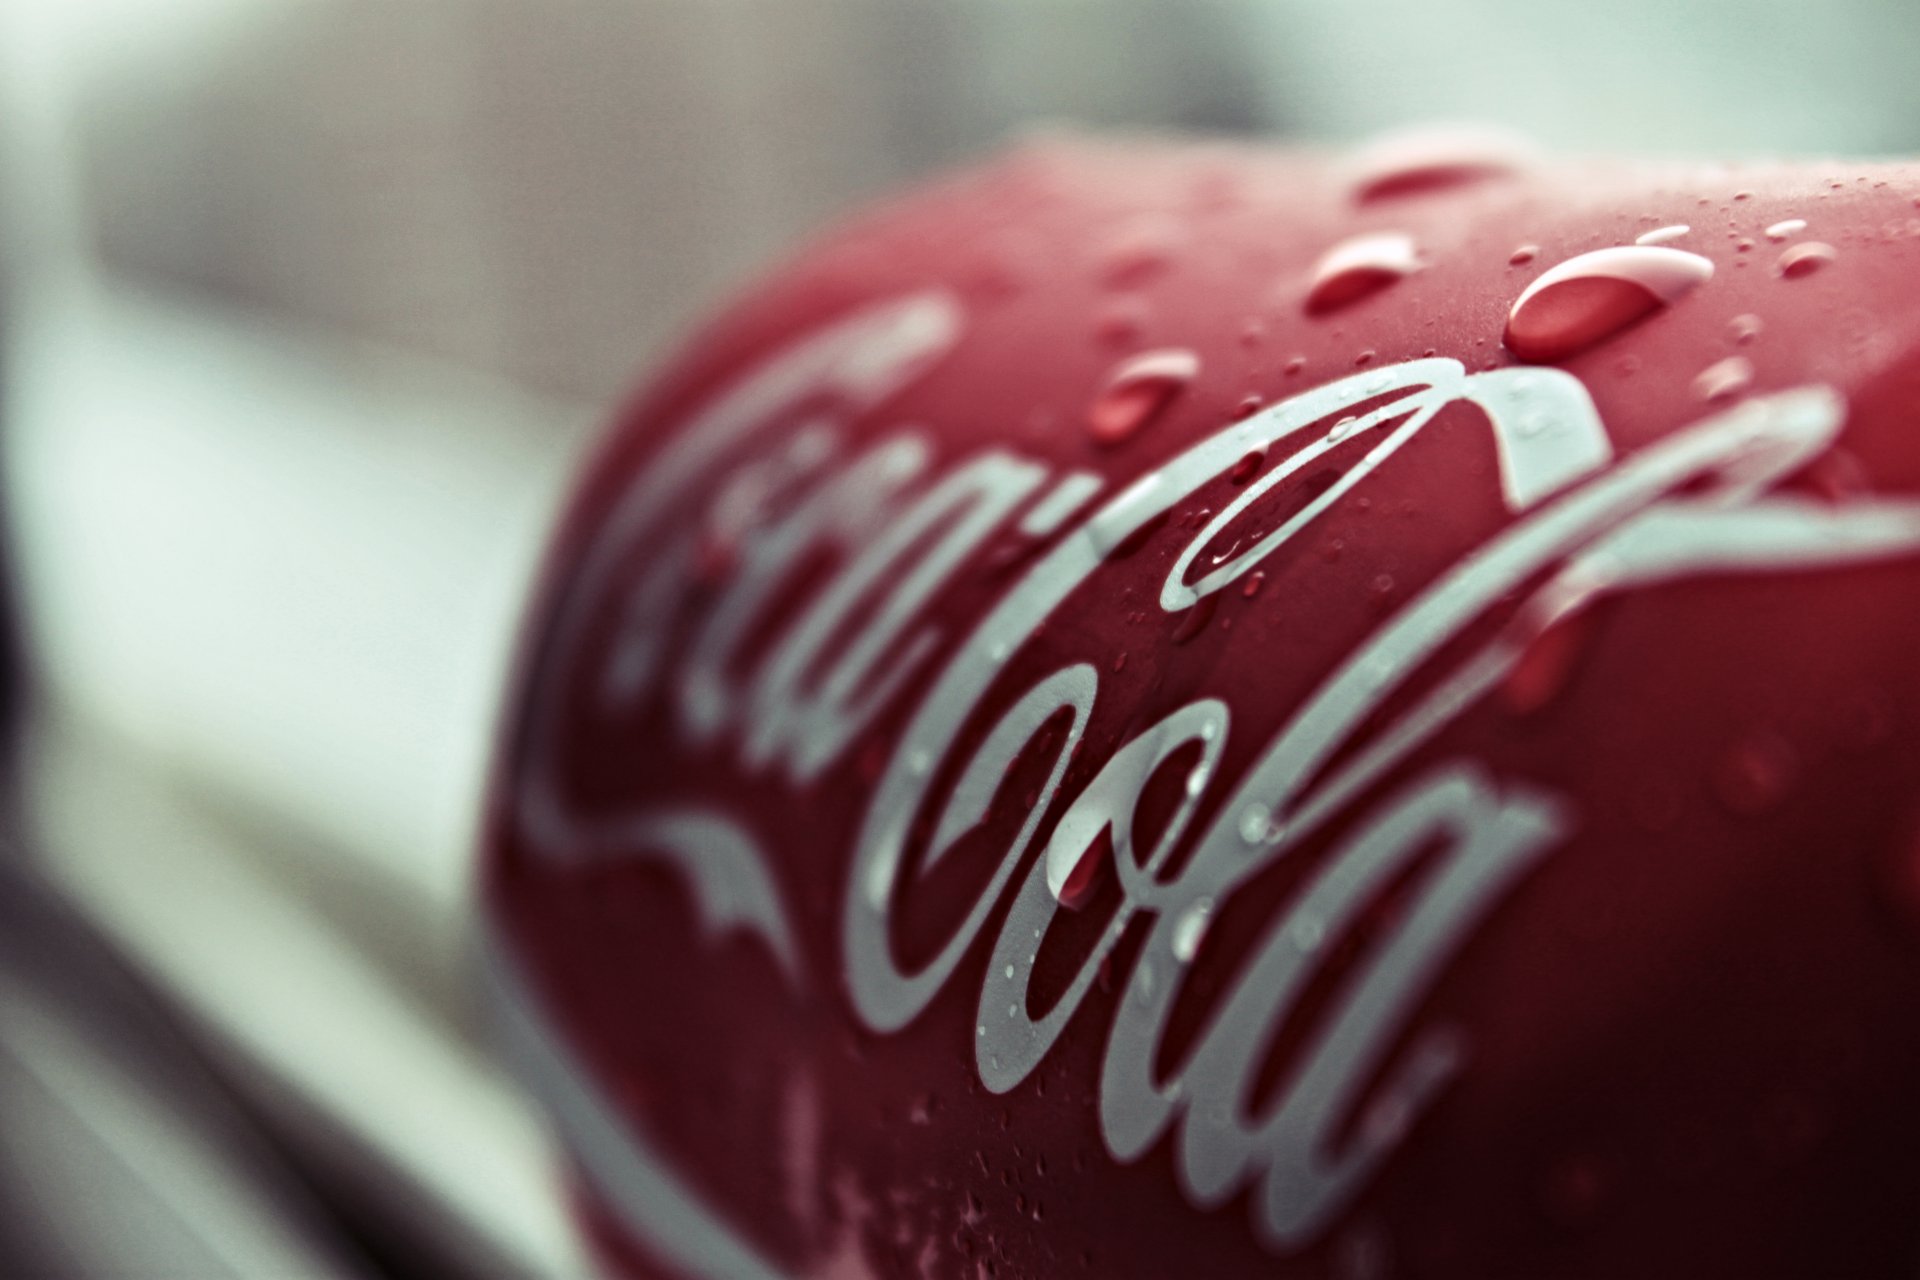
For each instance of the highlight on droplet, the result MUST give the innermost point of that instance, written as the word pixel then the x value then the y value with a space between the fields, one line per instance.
pixel 1663 235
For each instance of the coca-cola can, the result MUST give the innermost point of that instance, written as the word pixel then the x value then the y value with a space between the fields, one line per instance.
pixel 1162 709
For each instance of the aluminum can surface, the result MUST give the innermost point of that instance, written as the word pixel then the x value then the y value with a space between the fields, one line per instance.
pixel 1161 709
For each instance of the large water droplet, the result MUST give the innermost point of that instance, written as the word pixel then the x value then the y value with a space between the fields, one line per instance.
pixel 1356 268
pixel 1429 157
pixel 1555 629
pixel 1595 295
pixel 1074 874
pixel 1663 235
pixel 1136 393
pixel 1785 228
pixel 1724 379
pixel 1189 928
pixel 1805 259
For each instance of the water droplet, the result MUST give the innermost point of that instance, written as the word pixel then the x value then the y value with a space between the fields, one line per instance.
pixel 1190 927
pixel 1242 471
pixel 1136 393
pixel 1358 267
pixel 1307 933
pixel 1253 332
pixel 1339 430
pixel 1250 404
pixel 1745 328
pixel 1121 322
pixel 1724 379
pixel 1139 251
pixel 1073 876
pixel 1197 780
pixel 1544 665
pixel 919 761
pixel 1195 618
pixel 1805 259
pixel 1785 228
pixel 1593 296
pixel 1756 774
pixel 1256 823
pixel 1143 982
pixel 1009 973
pixel 1294 366
pixel 1254 581
pixel 1524 254
pixel 1837 476
pixel 1431 157
pixel 1663 235
pixel 1555 627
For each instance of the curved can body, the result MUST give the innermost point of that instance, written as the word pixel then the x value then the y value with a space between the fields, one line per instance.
pixel 1182 710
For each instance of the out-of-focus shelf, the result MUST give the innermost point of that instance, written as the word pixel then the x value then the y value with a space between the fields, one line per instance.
pixel 271 583
pixel 373 1089
pixel 122 1157
pixel 287 564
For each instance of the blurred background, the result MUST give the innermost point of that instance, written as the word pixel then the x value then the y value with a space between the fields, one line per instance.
pixel 307 308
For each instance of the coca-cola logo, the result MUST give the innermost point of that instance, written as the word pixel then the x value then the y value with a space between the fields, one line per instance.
pixel 1584 523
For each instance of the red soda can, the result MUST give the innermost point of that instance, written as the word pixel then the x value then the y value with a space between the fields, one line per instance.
pixel 1190 710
